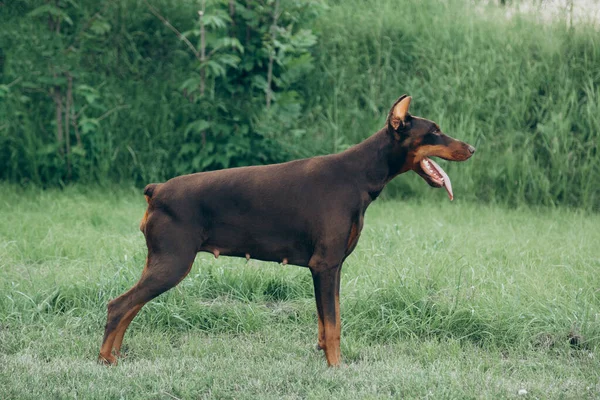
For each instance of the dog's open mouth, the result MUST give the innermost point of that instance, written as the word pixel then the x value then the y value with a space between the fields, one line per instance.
pixel 435 175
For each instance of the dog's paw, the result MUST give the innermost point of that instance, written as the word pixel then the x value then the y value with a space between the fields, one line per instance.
pixel 108 361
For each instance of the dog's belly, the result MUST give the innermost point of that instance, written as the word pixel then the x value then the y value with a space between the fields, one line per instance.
pixel 260 241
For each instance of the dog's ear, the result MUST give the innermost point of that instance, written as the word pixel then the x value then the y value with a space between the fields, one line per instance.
pixel 399 112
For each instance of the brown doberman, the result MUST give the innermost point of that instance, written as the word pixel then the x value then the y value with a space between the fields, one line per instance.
pixel 306 212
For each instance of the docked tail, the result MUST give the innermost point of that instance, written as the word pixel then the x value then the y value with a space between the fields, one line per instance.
pixel 149 190
pixel 148 193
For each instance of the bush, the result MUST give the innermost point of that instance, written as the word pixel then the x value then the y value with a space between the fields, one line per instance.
pixel 118 91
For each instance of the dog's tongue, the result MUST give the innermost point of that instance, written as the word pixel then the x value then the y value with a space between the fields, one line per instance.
pixel 447 184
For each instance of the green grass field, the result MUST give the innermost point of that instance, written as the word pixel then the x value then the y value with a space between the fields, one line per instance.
pixel 439 300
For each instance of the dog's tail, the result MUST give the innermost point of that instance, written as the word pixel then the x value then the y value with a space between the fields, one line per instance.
pixel 148 193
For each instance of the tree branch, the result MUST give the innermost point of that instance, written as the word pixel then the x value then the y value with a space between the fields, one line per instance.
pixel 15 81
pixel 202 48
pixel 106 114
pixel 171 27
pixel 273 29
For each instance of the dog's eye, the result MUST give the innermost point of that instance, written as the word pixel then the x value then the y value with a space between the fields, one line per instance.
pixel 430 138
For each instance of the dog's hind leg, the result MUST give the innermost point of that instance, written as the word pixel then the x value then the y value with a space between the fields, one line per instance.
pixel 123 325
pixel 162 273
pixel 169 261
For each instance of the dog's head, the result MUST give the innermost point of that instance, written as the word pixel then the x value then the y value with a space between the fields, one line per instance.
pixel 421 139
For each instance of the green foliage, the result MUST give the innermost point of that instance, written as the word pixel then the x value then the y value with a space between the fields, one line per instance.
pixel 281 79
pixel 109 92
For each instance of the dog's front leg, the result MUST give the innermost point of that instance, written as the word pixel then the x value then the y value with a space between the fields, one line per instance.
pixel 327 296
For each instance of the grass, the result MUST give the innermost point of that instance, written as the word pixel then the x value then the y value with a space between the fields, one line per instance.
pixel 440 299
pixel 525 93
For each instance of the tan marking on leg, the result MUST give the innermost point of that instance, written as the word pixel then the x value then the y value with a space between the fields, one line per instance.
pixel 247 256
pixel 352 238
pixel 332 343
pixel 106 356
pixel 216 253
pixel 285 261
pixel 126 320
pixel 123 325
pixel 124 308
pixel 328 283
pixel 145 217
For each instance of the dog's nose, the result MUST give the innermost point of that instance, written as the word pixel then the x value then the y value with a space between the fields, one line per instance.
pixel 471 149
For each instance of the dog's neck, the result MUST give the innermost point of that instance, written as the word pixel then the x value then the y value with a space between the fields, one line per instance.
pixel 377 160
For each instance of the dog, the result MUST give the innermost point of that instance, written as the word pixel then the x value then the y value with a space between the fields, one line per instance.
pixel 307 212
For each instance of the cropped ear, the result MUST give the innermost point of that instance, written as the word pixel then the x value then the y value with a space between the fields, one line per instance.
pixel 399 112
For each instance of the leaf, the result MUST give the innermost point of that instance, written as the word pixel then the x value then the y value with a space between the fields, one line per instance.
pixel 216 21
pixel 88 125
pixel 296 68
pixel 188 148
pixel 78 150
pixel 191 84
pixel 230 60
pixel 4 90
pixel 206 162
pixel 229 42
pixel 52 10
pixel 47 149
pixel 30 85
pixel 196 127
pixel 191 32
pixel 90 94
pixel 73 3
pixel 303 39
pixel 49 80
pixel 100 27
pixel 202 161
pixel 215 68
pixel 91 97
pixel 259 82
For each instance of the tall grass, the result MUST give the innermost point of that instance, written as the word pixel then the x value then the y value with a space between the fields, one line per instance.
pixel 526 94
